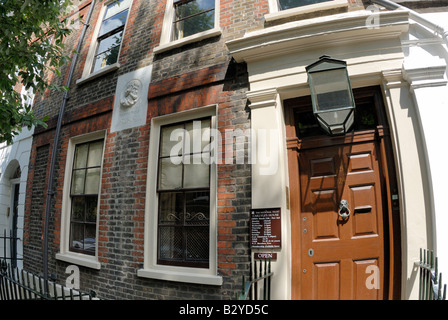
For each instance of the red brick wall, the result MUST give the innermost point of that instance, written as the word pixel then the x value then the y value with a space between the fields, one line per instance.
pixel 192 76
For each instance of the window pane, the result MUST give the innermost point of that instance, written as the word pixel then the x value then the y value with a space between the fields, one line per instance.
pixel 115 7
pixel 95 154
pixel 106 59
pixel 197 208
pixel 91 208
pixel 78 181
pixel 110 42
pixel 90 239
pixel 113 23
pixel 306 124
pixel 194 24
pixel 78 207
pixel 170 243
pixel 77 236
pixel 92 181
pixel 193 7
pixel 170 174
pixel 195 130
pixel 288 4
pixel 197 248
pixel 171 208
pixel 81 156
pixel 196 171
pixel 176 133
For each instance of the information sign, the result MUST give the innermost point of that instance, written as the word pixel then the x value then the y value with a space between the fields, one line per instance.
pixel 266 229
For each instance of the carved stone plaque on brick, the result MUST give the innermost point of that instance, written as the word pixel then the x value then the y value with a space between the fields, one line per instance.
pixel 131 99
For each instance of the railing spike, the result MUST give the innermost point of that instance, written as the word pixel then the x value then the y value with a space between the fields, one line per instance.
pixel 444 292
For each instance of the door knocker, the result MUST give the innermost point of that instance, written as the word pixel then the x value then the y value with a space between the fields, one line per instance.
pixel 344 211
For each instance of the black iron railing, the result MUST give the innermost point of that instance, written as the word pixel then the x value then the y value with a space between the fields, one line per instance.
pixel 9 244
pixel 258 287
pixel 18 284
pixel 430 280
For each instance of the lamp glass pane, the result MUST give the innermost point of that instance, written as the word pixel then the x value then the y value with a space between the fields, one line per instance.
pixel 350 121
pixel 331 89
pixel 335 117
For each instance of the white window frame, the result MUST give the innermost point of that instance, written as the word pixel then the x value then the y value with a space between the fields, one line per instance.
pixel 275 13
pixel 166 42
pixel 65 254
pixel 87 73
pixel 151 269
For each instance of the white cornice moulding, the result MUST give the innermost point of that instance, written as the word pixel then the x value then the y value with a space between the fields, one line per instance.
pixel 425 76
pixel 262 98
pixel 334 30
pixel 393 78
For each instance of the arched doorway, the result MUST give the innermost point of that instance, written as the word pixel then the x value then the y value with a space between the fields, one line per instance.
pixel 11 219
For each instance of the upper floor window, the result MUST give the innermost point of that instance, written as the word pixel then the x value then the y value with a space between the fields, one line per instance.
pixel 192 16
pixel 110 34
pixel 187 21
pixel 302 9
pixel 104 50
pixel 289 4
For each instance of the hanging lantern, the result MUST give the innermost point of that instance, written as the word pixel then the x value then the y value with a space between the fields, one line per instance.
pixel 331 95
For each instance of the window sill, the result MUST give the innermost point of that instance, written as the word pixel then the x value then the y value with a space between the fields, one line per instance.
pixel 193 38
pixel 333 4
pixel 79 259
pixel 98 73
pixel 178 276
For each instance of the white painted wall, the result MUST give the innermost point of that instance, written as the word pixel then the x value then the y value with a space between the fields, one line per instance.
pixel 425 68
pixel 10 156
pixel 410 65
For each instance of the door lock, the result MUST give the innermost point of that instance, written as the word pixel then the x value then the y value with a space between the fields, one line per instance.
pixel 310 252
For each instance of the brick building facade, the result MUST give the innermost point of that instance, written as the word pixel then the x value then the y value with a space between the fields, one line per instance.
pixel 195 75
pixel 238 67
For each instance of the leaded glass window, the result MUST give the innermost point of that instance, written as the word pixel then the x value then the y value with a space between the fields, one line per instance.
pixel 85 185
pixel 184 194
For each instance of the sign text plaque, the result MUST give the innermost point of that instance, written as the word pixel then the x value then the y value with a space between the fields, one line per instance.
pixel 266 229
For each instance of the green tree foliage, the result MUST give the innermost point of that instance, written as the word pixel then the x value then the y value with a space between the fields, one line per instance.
pixel 31 48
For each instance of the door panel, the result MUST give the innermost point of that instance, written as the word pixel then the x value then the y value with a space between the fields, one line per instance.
pixel 364 209
pixel 326 280
pixel 361 284
pixel 341 249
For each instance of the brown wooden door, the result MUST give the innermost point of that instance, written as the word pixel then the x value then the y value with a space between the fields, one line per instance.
pixel 341 258
pixel 355 258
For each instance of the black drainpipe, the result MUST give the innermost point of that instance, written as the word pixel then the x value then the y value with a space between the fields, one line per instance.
pixel 50 191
